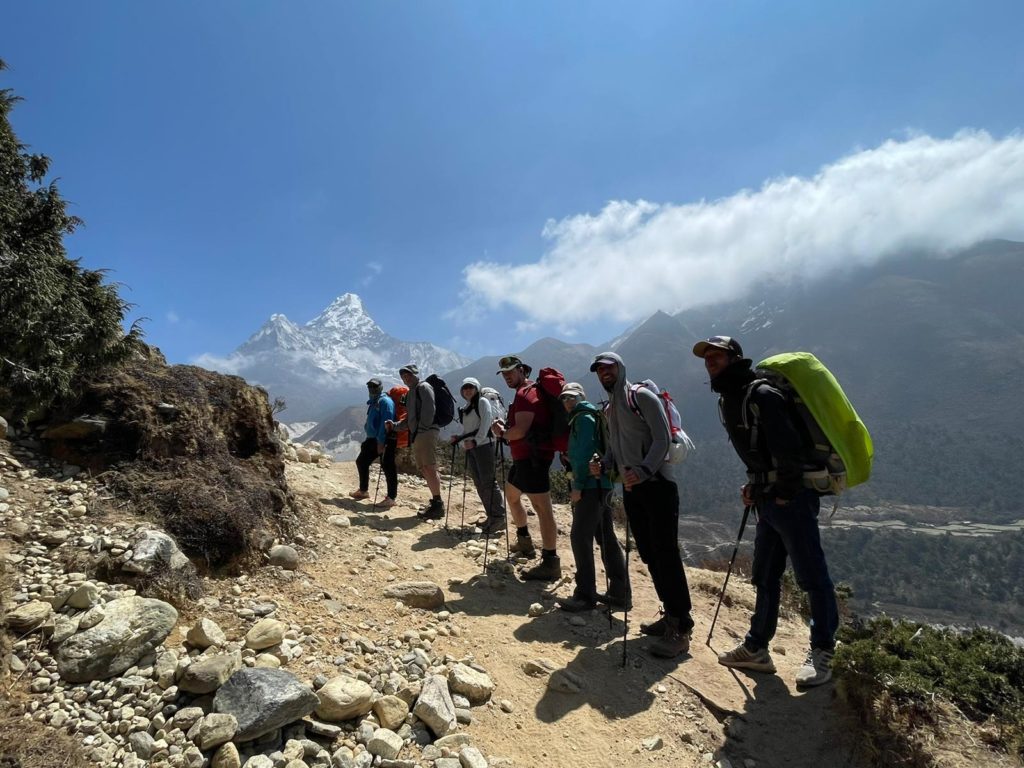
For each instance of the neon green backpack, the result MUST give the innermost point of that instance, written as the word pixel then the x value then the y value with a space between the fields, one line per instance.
pixel 838 443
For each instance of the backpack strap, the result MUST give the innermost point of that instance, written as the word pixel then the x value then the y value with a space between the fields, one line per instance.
pixel 748 407
pixel 634 406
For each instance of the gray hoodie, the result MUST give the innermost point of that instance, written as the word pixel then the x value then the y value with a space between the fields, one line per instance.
pixel 635 442
pixel 419 411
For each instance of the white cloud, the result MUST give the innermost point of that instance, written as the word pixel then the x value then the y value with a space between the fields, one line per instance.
pixel 173 318
pixel 373 270
pixel 635 257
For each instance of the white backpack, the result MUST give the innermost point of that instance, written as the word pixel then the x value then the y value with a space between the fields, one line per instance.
pixel 681 445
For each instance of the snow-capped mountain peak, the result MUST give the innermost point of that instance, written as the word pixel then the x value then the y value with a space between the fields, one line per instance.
pixel 326 362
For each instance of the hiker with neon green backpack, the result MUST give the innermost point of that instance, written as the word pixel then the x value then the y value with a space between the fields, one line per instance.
pixel 799 438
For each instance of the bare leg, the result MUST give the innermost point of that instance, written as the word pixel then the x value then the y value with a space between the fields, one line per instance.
pixel 546 517
pixel 514 503
pixel 433 478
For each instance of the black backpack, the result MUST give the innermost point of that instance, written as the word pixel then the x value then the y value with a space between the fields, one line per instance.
pixel 444 403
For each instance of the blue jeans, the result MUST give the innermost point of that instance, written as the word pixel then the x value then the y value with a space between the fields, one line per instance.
pixel 791 530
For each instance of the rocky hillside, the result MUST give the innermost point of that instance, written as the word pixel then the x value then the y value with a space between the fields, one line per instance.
pixel 364 639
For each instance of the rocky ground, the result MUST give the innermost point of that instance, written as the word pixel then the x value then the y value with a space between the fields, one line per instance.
pixel 368 639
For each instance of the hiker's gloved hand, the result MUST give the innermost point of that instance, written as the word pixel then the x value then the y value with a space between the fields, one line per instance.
pixel 747 494
pixel 575 496
pixel 595 468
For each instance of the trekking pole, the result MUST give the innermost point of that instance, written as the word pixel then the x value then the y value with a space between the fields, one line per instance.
pixel 451 477
pixel 728 573
pixel 625 615
pixel 465 466
pixel 380 469
pixel 490 515
pixel 501 461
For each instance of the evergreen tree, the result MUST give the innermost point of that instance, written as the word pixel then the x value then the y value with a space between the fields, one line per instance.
pixel 57 320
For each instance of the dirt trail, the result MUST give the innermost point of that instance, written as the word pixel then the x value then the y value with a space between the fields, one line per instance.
pixel 702 712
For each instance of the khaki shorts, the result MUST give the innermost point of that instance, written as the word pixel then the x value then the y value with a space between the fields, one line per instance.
pixel 423 449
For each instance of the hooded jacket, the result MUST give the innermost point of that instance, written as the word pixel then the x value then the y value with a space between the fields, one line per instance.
pixel 378 410
pixel 638 442
pixel 584 442
pixel 778 446
pixel 476 416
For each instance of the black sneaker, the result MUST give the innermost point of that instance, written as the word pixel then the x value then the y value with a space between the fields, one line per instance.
pixel 577 604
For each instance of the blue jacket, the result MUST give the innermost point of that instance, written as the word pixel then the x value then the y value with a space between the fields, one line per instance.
pixel 584 442
pixel 379 409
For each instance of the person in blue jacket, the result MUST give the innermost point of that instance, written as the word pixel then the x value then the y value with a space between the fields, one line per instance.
pixel 591 510
pixel 379 443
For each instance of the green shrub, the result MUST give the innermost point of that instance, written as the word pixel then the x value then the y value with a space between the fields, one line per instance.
pixel 980 672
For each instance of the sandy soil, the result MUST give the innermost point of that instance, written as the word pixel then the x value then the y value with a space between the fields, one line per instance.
pixel 702 711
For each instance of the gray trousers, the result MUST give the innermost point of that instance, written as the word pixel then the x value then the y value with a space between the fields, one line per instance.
pixel 480 462
pixel 592 521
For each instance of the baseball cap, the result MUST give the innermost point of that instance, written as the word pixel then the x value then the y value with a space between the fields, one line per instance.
pixel 573 389
pixel 510 362
pixel 410 368
pixel 602 361
pixel 727 343
pixel 374 384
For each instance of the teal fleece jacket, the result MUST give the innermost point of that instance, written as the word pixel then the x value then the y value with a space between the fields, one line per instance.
pixel 584 442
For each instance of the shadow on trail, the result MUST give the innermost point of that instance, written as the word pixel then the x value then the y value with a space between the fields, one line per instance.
pixel 780 727
pixel 606 686
pixel 491 594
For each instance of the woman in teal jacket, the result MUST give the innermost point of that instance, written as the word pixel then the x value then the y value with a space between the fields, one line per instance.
pixel 591 510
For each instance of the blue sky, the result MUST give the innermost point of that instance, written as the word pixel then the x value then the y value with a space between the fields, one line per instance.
pixel 236 159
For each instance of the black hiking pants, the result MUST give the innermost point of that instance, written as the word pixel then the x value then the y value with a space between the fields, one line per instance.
pixel 653 512
pixel 368 454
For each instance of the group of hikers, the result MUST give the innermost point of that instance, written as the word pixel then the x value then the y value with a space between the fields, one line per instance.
pixel 628 440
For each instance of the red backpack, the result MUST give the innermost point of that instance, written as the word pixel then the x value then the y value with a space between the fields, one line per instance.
pixel 555 434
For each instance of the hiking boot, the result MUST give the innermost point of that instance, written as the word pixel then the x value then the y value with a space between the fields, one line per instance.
pixel 817 668
pixel 616 602
pixel 673 642
pixel 523 546
pixel 742 657
pixel 433 511
pixel 493 525
pixel 577 604
pixel 656 627
pixel 548 569
pixel 388 503
pixel 359 493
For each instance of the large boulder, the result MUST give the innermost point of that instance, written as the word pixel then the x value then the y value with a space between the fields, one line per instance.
pixel 417 594
pixel 263 700
pixel 206 633
pixel 343 698
pixel 132 627
pixel 474 685
pixel 208 674
pixel 265 633
pixel 435 707
pixel 155 550
pixel 28 616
